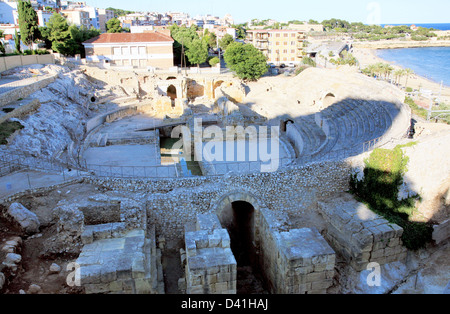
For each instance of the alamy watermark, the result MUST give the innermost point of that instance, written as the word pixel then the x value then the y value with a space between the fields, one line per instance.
pixel 374 16
pixel 230 145
pixel 374 277
pixel 73 279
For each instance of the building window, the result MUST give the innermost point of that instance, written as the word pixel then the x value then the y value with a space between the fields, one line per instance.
pixel 286 35
pixel 278 43
pixel 277 35
pixel 284 51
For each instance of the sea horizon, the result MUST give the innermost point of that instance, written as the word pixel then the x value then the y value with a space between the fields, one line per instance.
pixel 438 26
pixel 432 63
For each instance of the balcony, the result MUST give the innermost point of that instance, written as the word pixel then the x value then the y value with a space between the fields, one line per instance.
pixel 262 47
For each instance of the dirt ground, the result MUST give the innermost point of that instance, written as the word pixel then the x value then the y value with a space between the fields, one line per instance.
pixel 36 262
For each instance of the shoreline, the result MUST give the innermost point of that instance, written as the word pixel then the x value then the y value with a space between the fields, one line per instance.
pixel 367 56
pixel 388 44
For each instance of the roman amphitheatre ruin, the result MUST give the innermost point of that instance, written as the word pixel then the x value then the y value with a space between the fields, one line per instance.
pixel 99 196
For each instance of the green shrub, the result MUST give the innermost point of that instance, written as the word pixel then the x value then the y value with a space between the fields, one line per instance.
pixel 300 69
pixel 421 112
pixel 409 90
pixel 7 129
pixel 309 61
pixel 214 61
pixel 383 175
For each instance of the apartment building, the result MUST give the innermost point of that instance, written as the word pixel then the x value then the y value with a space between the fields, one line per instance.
pixel 104 16
pixel 141 50
pixel 279 46
pixel 77 17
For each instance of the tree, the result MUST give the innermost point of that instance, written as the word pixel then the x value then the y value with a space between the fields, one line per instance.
pixel 225 41
pixel 113 26
pixel 57 33
pixel 246 61
pixel 197 52
pixel 408 73
pixel 119 12
pixel 398 74
pixel 214 61
pixel 183 37
pixel 28 22
pixel 2 48
pixel 17 41
pixel 240 31
pixel 78 36
pixel 66 39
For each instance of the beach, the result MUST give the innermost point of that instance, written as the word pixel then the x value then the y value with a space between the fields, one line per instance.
pixel 367 56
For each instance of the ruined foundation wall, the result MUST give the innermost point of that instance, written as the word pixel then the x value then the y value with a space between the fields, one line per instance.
pixel 360 235
pixel 287 193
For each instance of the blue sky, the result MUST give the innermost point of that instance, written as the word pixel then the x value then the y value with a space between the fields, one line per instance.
pixel 366 11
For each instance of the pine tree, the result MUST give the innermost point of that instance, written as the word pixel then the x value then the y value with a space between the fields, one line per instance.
pixel 28 22
pixel 17 41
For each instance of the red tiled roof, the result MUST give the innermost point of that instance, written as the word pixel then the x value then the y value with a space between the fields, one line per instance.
pixel 129 38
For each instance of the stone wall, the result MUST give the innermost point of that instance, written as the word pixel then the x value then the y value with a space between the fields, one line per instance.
pixel 10 62
pixel 25 91
pixel 305 263
pixel 129 264
pixel 441 232
pixel 30 105
pixel 295 137
pixel 360 235
pixel 287 193
pixel 210 265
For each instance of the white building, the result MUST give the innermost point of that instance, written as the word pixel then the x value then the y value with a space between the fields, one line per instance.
pixel 93 16
pixel 7 9
pixel 41 4
pixel 43 16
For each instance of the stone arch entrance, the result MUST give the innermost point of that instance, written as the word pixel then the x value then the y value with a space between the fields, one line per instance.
pixel 172 93
pixel 216 86
pixel 284 123
pixel 239 214
pixel 328 100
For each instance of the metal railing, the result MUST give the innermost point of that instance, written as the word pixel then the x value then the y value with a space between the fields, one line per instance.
pixel 12 161
pixel 156 171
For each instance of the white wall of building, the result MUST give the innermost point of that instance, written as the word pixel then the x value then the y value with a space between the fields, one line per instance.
pixel 7 9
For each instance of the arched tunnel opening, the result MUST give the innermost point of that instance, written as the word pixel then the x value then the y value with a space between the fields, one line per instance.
pixel 241 228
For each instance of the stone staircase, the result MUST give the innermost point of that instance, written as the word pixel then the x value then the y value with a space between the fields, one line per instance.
pixel 345 126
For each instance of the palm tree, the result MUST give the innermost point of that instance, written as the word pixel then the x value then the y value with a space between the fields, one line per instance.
pixel 408 73
pixel 398 75
pixel 385 69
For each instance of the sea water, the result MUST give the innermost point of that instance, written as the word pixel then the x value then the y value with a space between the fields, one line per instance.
pixel 432 63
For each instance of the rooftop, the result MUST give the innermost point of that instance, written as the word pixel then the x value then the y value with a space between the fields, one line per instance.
pixel 129 38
